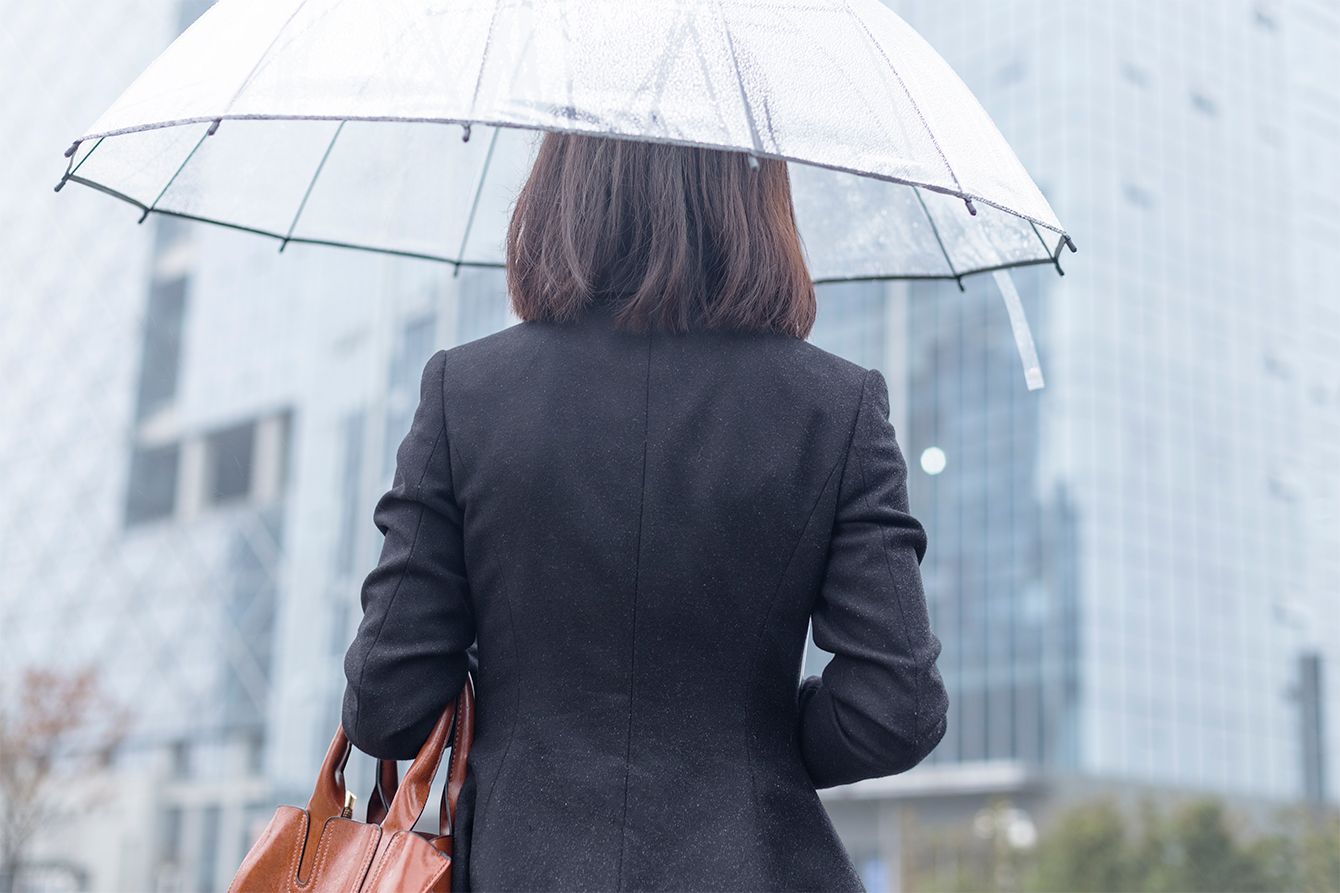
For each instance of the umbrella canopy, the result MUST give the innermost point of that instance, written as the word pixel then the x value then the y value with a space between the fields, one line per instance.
pixel 325 121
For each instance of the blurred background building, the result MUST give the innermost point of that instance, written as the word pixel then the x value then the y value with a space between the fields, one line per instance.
pixel 1135 572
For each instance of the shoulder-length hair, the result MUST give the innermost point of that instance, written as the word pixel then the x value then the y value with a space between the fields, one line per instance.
pixel 676 237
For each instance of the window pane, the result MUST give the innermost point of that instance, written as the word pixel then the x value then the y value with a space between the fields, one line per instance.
pixel 152 489
pixel 229 454
pixel 162 344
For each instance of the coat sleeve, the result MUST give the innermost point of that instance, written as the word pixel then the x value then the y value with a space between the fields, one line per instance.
pixel 880 706
pixel 409 656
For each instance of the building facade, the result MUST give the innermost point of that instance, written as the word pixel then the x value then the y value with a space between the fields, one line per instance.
pixel 1134 571
pixel 195 431
pixel 1186 494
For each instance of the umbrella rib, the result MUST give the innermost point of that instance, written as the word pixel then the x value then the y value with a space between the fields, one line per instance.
pixel 251 75
pixel 483 59
pixel 1055 258
pixel 739 80
pixel 71 168
pixel 910 98
pixel 928 277
pixel 474 205
pixel 936 230
pixel 75 168
pixel 499 265
pixel 503 122
pixel 658 73
pixel 302 205
pixel 181 167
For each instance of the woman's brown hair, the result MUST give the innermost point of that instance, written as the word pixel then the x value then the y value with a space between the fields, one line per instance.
pixel 677 237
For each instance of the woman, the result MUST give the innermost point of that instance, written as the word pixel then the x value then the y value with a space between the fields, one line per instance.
pixel 622 514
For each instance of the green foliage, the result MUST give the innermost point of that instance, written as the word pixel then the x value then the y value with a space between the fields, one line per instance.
pixel 1309 850
pixel 1089 853
pixel 1198 852
pixel 1199 846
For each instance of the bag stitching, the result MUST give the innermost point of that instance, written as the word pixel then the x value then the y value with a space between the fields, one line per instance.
pixel 396 841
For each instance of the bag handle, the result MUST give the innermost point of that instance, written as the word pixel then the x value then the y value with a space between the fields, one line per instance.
pixel 387 778
pixel 387 782
pixel 460 755
pixel 327 799
pixel 393 805
pixel 411 795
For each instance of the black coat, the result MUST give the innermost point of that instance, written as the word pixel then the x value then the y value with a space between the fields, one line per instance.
pixel 638 529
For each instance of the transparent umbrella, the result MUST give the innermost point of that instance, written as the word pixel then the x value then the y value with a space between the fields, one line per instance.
pixel 407 126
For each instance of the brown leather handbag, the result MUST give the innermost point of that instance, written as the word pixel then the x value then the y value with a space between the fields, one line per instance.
pixel 323 848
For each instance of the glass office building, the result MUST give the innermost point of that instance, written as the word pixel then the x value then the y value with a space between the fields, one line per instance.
pixel 194 432
pixel 1135 564
pixel 1134 572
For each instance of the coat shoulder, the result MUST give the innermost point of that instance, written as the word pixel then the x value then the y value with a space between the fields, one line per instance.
pixel 829 365
pixel 487 360
pixel 801 367
pixel 482 358
pixel 488 345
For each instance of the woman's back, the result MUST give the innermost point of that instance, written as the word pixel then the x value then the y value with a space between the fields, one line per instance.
pixel 645 524
pixel 627 510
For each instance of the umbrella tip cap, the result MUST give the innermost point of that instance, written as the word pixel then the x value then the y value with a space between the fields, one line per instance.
pixel 74 147
pixel 1069 243
pixel 972 209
